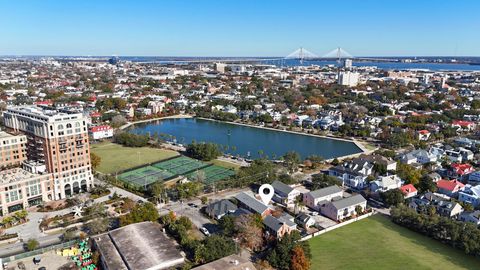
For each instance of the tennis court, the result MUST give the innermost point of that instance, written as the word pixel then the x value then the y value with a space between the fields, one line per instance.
pixel 213 174
pixel 180 165
pixel 145 176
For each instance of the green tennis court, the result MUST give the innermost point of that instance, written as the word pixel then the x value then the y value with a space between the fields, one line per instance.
pixel 145 176
pixel 180 165
pixel 213 174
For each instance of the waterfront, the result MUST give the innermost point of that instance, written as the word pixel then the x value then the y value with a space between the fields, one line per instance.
pixel 242 140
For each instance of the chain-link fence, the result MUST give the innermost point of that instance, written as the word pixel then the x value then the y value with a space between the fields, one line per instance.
pixel 38 251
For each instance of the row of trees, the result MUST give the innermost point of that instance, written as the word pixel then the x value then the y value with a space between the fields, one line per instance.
pixel 461 235
pixel 131 140
pixel 203 151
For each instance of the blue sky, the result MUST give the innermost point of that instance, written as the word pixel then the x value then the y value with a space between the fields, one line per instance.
pixel 239 28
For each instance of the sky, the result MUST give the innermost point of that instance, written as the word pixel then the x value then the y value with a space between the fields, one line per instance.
pixel 239 28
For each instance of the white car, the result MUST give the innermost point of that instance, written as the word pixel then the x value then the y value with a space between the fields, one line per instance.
pixel 205 231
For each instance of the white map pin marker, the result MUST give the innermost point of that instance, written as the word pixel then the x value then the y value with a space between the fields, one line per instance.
pixel 266 192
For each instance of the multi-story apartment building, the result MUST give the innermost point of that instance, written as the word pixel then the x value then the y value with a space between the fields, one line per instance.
pixel 20 189
pixel 58 139
pixel 12 149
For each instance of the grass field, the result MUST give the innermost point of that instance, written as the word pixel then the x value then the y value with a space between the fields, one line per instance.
pixel 226 164
pixel 378 243
pixel 116 157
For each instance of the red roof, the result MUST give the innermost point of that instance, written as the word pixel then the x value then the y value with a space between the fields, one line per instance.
pixel 100 128
pixel 462 123
pixel 407 189
pixel 423 131
pixel 45 102
pixel 463 168
pixel 95 114
pixel 449 185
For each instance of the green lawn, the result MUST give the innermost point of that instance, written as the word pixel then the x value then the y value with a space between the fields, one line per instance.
pixel 116 157
pixel 226 164
pixel 378 243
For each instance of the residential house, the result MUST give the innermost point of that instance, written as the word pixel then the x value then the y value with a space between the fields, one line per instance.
pixel 460 170
pixel 384 183
pixel 423 135
pixel 466 153
pixel 470 216
pixel 454 156
pixel 449 187
pixel 448 209
pixel 470 194
pixel 408 191
pixel 314 199
pixel 353 173
pixel 284 194
pixel 474 177
pixel 220 208
pixel 304 220
pixel 278 227
pixel 388 163
pixel 419 156
pixel 251 204
pixel 343 208
pixel 463 126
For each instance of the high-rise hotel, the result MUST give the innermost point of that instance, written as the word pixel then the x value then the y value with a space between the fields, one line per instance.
pixel 56 146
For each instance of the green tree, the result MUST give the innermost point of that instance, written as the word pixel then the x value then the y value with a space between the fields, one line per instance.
pixel 227 224
pixel 322 180
pixel 95 160
pixel 203 151
pixel 392 197
pixel 141 212
pixel 280 256
pixel 157 191
pixel 291 160
pixel 32 244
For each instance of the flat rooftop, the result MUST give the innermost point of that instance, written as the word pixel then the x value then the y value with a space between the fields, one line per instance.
pixel 43 112
pixel 15 175
pixel 140 246
pixel 232 262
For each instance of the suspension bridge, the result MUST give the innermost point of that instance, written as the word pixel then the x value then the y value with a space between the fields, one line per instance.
pixel 301 54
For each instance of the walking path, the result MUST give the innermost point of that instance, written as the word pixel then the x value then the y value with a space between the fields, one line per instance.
pixel 156 119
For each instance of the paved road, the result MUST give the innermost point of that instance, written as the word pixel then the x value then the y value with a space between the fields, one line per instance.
pixel 193 213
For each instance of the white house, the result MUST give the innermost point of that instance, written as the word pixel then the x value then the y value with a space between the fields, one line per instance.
pixel 353 173
pixel 314 199
pixel 343 208
pixel 470 194
pixel 384 183
pixel 284 194
pixel 101 132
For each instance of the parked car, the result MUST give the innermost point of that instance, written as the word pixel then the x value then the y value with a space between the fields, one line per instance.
pixel 205 231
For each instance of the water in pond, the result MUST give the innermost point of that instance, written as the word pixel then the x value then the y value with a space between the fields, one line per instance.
pixel 242 140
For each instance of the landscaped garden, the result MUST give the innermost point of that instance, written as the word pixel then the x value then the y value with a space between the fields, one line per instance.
pixel 378 243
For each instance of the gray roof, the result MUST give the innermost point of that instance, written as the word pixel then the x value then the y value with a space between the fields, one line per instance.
pixel 273 223
pixel 221 207
pixel 141 246
pixel 281 188
pixel 251 202
pixel 232 262
pixel 325 191
pixel 349 201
